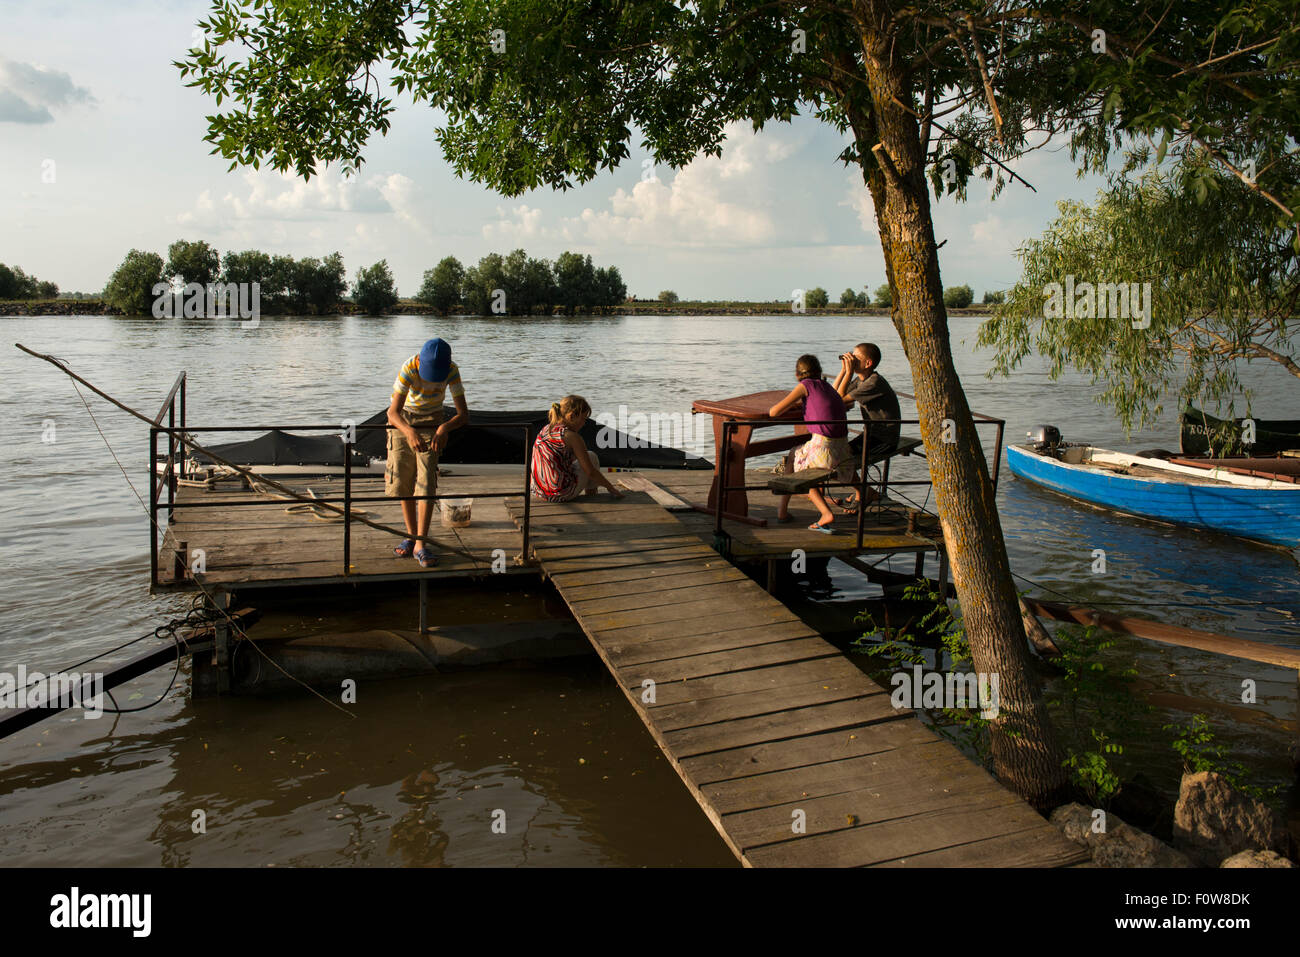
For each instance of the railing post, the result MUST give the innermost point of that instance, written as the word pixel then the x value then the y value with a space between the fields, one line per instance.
pixel 184 379
pixel 862 481
pixel 723 455
pixel 171 462
pixel 347 506
pixel 997 455
pixel 528 491
pixel 153 505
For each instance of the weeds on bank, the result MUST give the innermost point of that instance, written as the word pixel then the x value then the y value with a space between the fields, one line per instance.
pixel 937 625
pixel 1194 742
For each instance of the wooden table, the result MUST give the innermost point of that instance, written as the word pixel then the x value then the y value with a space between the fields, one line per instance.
pixel 740 445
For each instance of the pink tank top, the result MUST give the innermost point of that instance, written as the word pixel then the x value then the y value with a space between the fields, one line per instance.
pixel 824 402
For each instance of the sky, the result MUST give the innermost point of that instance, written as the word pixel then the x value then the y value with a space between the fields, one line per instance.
pixel 102 151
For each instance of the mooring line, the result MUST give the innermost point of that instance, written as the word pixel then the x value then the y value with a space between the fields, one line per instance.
pixel 206 593
pixel 189 442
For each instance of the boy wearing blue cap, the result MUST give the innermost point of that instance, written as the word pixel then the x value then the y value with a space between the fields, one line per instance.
pixel 417 435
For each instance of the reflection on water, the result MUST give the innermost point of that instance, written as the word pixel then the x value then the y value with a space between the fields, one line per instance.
pixel 416 776
pixel 551 754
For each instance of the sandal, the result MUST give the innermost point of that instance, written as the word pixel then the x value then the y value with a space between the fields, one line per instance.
pixel 426 558
pixel 404 548
pixel 824 529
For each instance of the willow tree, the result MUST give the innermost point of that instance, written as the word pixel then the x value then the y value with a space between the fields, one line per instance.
pixel 548 93
pixel 1221 270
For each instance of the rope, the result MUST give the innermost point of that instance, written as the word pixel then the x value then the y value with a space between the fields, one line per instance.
pixel 190 443
pixel 206 593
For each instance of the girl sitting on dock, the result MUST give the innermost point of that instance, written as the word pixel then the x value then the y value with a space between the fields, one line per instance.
pixel 828 446
pixel 562 464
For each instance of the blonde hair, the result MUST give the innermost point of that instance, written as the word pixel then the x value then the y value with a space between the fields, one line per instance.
pixel 569 408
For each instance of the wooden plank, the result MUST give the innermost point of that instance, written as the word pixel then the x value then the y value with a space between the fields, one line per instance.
pixel 630 551
pixel 636 482
pixel 845 811
pixel 703 625
pixel 690 714
pixel 600 574
pixel 699 666
pixel 630 652
pixel 791 723
pixel 678 620
pixel 585 568
pixel 689 592
pixel 688 574
pixel 690 611
pixel 962 822
pixel 913 768
pixel 805 751
pixel 755 679
pixel 1035 846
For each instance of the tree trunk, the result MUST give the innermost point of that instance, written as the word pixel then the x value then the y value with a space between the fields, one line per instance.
pixel 1025 751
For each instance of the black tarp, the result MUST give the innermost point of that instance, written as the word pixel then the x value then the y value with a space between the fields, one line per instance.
pixel 485 440
pixel 1272 436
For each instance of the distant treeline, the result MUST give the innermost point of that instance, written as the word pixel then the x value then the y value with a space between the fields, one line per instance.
pixel 285 284
pixel 517 284
pixel 16 284
pixel 514 284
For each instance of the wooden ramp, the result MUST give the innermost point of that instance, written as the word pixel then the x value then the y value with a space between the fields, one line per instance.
pixel 761 717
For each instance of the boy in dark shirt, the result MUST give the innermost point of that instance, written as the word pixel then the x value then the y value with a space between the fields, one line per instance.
pixel 858 381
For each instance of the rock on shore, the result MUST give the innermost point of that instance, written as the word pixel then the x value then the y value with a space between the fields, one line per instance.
pixel 1119 844
pixel 1214 821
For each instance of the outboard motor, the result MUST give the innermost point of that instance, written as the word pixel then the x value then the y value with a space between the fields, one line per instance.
pixel 1045 438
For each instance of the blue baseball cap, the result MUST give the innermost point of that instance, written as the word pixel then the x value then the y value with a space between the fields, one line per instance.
pixel 435 360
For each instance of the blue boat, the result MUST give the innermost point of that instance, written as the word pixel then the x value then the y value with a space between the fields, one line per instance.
pixel 1258 506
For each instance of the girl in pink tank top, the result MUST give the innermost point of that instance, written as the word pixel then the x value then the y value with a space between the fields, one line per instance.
pixel 828 444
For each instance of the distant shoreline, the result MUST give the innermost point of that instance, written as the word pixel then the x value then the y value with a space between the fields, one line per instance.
pixel 409 307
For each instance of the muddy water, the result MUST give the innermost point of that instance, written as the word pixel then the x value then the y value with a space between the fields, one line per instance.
pixel 426 765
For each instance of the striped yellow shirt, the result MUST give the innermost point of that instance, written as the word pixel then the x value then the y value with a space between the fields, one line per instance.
pixel 424 398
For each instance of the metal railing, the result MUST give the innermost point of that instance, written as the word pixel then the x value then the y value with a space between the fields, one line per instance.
pixel 729 425
pixel 175 469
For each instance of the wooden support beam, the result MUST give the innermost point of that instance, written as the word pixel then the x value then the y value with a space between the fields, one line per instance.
pixel 195 641
pixel 1169 634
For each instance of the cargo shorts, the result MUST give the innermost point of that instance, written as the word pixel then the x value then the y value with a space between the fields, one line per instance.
pixel 410 472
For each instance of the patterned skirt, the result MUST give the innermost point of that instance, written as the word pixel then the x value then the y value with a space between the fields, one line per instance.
pixel 820 452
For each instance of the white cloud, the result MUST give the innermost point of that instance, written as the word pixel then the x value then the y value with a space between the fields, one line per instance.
pixel 859 200
pixel 709 202
pixel 286 196
pixel 514 227
pixel 398 191
pixel 995 237
pixel 27 92
pixel 270 198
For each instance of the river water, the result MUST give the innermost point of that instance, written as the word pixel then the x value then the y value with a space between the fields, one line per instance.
pixel 415 776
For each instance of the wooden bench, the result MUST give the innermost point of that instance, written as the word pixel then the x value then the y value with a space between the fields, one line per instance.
pixel 796 483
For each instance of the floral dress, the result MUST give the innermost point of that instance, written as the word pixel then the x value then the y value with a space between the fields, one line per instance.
pixel 555 467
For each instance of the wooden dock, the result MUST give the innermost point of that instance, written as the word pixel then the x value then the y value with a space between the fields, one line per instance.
pixel 267 545
pixel 795 755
